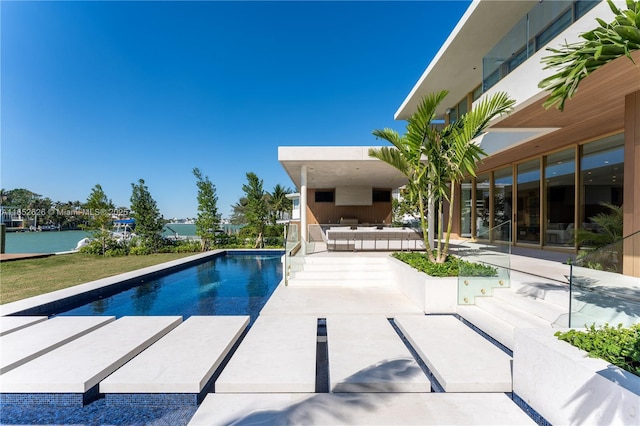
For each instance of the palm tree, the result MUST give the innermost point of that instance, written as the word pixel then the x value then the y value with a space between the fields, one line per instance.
pixel 605 245
pixel 609 229
pixel 278 202
pixel 435 160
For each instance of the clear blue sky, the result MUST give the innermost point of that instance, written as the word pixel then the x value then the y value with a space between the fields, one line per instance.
pixel 111 92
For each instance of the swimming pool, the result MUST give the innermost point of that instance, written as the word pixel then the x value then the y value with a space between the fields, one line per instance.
pixel 227 284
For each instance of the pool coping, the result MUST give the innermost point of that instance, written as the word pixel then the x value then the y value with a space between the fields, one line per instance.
pixel 43 304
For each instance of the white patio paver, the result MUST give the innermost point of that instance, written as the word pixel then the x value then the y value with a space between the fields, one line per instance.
pixel 278 354
pixel 338 300
pixel 459 358
pixel 360 409
pixel 11 324
pixel 81 364
pixel 182 361
pixel 367 355
pixel 29 343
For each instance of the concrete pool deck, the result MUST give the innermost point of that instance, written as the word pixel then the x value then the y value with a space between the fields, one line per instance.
pixel 368 384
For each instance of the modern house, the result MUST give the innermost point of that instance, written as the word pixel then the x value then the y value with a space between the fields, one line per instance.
pixel 547 171
pixel 339 186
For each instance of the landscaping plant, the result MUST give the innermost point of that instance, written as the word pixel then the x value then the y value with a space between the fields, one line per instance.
pixel 450 268
pixel 435 159
pixel 618 345
pixel 603 44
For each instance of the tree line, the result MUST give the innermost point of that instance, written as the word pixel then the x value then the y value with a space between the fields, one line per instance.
pixel 257 211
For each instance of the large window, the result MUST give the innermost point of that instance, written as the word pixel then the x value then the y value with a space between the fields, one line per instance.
pixel 601 174
pixel 502 203
pixel 559 174
pixel 482 206
pixel 529 202
pixel 466 205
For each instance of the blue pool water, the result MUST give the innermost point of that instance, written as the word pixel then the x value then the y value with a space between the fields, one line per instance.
pixel 229 284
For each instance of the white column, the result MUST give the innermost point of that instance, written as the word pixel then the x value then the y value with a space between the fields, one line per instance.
pixel 303 208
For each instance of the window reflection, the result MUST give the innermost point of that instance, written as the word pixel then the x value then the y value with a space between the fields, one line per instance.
pixel 560 198
pixel 601 174
pixel 503 202
pixel 465 217
pixel 482 206
pixel 529 202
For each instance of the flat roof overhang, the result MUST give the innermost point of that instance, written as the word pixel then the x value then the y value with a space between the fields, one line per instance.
pixel 597 109
pixel 331 167
pixel 460 57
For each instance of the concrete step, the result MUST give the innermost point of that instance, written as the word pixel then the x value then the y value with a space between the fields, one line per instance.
pixel 459 358
pixel 535 306
pixel 495 327
pixel 343 275
pixel 326 282
pixel 323 271
pixel 78 366
pixel 367 355
pixel 10 324
pixel 166 367
pixel 29 343
pixel 278 354
pixel 321 301
pixel 351 260
pixel 361 409
pixel 599 309
pixel 578 320
pixel 540 288
pixel 509 313
pixel 346 267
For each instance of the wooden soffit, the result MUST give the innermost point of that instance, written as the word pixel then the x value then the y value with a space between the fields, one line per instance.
pixel 597 109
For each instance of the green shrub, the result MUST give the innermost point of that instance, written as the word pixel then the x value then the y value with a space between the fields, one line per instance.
pixel 224 240
pixel 469 269
pixel 140 250
pixel 618 345
pixel 117 251
pixel 188 246
pixel 450 268
pixel 274 241
pixel 111 247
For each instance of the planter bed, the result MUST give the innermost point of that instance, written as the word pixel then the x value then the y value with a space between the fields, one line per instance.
pixel 565 386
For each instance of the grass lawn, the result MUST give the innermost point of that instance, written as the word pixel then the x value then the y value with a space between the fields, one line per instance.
pixel 24 278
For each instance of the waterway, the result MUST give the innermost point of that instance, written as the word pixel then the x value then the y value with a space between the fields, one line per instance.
pixel 59 241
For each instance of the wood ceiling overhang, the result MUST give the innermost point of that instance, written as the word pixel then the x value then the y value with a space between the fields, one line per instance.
pixel 596 110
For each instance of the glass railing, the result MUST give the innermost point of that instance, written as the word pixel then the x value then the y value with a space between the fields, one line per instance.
pixel 291 247
pixel 533 32
pixel 604 285
pixel 484 265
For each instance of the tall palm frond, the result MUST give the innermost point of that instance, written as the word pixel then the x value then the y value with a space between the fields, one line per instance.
pixel 605 43
pixel 434 160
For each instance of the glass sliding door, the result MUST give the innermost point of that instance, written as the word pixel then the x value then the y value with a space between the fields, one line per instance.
pixel 483 199
pixel 559 174
pixel 502 203
pixel 465 210
pixel 528 226
pixel 601 174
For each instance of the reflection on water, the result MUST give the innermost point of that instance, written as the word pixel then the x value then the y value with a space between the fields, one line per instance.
pixel 225 285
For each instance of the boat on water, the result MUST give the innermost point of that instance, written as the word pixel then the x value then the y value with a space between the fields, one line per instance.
pixel 122 232
pixel 39 228
pixel 123 229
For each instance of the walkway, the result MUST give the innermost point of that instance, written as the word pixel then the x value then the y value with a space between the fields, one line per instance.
pixel 7 257
pixel 339 345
